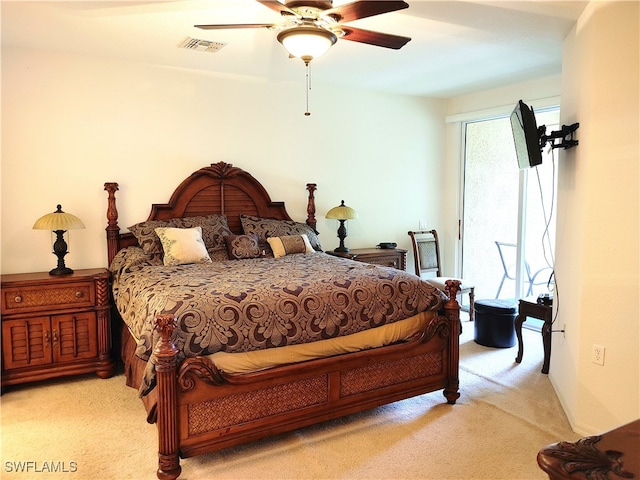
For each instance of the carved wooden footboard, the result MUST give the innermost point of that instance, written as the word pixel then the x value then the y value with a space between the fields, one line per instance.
pixel 200 409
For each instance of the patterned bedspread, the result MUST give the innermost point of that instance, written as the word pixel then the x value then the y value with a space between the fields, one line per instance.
pixel 252 304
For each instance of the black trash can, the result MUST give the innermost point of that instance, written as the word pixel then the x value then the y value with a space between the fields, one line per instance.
pixel 494 324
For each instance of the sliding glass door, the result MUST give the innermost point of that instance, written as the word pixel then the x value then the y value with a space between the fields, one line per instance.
pixel 509 214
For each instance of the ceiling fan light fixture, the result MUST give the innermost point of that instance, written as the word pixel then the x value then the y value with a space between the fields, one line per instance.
pixel 307 42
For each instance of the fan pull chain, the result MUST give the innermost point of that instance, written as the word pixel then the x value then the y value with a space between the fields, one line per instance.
pixel 308 87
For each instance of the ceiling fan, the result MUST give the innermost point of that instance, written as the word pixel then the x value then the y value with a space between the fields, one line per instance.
pixel 310 28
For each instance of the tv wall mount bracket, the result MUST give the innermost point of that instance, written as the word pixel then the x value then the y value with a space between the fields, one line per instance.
pixel 565 135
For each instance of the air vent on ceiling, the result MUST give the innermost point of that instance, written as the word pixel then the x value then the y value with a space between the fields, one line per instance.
pixel 201 45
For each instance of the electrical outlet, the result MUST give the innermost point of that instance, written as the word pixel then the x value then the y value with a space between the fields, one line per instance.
pixel 597 354
pixel 564 331
pixel 422 225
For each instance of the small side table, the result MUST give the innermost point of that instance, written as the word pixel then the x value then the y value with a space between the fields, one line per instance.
pixel 387 257
pixel 529 307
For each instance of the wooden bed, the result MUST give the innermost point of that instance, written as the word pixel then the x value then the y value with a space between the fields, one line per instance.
pixel 199 409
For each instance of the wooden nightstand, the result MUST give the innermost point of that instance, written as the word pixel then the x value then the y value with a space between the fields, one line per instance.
pixel 387 257
pixel 54 326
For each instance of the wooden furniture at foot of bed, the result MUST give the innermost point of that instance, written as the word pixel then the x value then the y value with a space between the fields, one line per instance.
pixel 200 409
pixel 595 457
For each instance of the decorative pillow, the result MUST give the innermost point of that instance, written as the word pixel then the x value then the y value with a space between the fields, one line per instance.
pixel 214 229
pixel 145 233
pixel 183 245
pixel 289 244
pixel 269 227
pixel 242 246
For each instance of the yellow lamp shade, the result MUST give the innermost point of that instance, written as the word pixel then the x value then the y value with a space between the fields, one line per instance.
pixel 341 212
pixel 58 220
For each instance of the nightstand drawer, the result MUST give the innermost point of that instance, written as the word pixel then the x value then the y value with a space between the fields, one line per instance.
pixel 394 261
pixel 42 298
pixel 390 257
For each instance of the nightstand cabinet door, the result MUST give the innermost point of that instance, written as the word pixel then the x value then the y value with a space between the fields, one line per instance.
pixel 74 336
pixel 26 343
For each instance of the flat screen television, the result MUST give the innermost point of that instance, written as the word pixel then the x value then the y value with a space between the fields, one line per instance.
pixel 526 136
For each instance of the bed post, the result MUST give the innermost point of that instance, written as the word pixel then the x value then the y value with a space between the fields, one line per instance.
pixel 167 407
pixel 311 207
pixel 113 230
pixel 452 312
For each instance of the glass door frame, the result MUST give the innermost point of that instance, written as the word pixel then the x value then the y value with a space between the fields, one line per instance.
pixel 540 106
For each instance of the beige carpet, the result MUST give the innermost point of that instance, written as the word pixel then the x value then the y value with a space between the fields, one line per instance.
pixel 505 414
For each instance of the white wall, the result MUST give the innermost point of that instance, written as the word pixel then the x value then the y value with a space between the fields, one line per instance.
pixel 597 252
pixel 72 123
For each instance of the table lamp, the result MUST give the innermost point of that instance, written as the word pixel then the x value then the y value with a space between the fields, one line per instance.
pixel 341 213
pixel 59 222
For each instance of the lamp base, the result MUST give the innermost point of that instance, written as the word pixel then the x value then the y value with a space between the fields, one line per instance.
pixel 61 271
pixel 342 234
pixel 60 250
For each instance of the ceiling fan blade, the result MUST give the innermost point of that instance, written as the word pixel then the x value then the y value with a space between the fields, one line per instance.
pixel 272 4
pixel 374 38
pixel 235 25
pixel 277 7
pixel 362 9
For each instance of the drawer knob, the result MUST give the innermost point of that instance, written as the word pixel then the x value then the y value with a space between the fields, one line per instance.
pixel 79 294
pixel 18 299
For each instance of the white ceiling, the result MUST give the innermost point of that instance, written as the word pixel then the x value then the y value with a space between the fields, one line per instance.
pixel 457 47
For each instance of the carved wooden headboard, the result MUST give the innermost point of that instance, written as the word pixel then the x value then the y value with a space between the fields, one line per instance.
pixel 218 189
